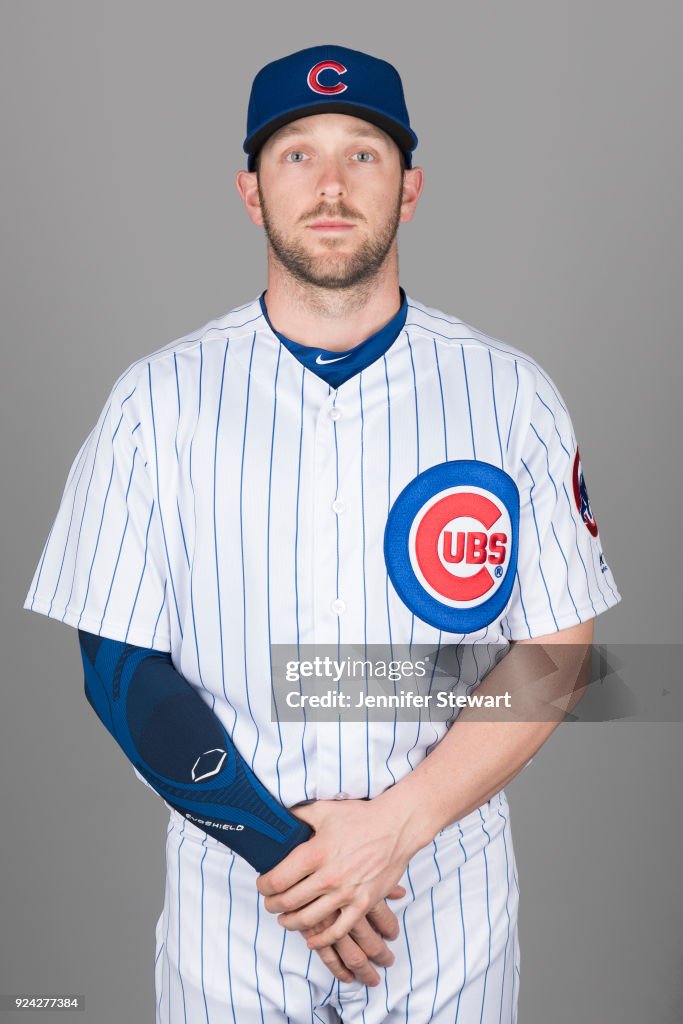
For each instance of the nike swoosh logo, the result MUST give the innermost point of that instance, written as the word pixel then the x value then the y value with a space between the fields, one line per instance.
pixel 322 362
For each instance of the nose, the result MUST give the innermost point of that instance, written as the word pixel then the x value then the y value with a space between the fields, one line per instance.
pixel 331 180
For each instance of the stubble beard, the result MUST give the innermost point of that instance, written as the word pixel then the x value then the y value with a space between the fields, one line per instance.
pixel 336 272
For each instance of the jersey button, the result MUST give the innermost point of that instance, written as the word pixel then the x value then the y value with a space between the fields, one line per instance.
pixel 336 413
pixel 338 506
pixel 341 796
pixel 339 606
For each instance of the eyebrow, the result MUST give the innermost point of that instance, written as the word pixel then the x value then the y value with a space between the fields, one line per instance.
pixel 368 131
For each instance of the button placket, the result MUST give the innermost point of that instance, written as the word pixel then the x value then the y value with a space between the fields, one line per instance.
pixel 327 605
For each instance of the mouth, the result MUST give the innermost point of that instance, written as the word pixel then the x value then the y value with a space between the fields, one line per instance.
pixel 331 225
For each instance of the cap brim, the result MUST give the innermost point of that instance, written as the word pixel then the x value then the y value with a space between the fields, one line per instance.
pixel 405 139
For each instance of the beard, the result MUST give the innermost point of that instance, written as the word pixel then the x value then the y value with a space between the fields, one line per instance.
pixel 333 270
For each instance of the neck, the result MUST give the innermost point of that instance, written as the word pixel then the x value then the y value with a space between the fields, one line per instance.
pixel 332 318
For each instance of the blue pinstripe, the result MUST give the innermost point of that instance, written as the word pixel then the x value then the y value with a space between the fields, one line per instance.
pixel 566 563
pixel 365 595
pixel 219 601
pixel 336 575
pixel 391 642
pixel 123 537
pixel 405 932
pixel 258 990
pixel 268 617
pixel 201 931
pixel 182 534
pixel 99 529
pixel 232 994
pixel 495 409
pixel 521 601
pixel 488 916
pixel 462 924
pixel 85 505
pixel 161 516
pixel 244 578
pixel 540 567
pixel 557 540
pixel 194 512
pixel 142 574
pixel 469 404
pixel 417 471
pixel 161 608
pixel 578 549
pixel 436 940
pixel 507 911
pixel 296 577
pixel 180 973
pixel 279 967
pixel 177 387
pixel 443 405
pixel 180 518
pixel 552 414
pixel 514 405
pixel 40 566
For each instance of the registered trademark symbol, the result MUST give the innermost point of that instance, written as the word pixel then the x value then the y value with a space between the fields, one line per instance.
pixel 498 571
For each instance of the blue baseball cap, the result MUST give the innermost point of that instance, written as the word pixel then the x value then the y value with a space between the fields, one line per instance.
pixel 327 80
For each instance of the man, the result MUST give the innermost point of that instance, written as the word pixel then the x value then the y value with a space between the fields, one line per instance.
pixel 337 464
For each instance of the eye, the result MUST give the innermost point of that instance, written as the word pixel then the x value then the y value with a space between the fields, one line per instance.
pixel 295 157
pixel 364 157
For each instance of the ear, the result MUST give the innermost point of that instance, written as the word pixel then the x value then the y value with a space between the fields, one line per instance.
pixel 413 181
pixel 246 182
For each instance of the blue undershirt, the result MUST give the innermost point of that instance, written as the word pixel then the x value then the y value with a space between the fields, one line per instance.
pixel 335 367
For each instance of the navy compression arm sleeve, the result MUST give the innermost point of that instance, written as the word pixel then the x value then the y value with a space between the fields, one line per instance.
pixel 180 747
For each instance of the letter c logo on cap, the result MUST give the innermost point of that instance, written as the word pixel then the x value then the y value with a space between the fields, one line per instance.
pixel 313 78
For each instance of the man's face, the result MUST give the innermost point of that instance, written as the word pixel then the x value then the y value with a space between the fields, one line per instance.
pixel 330 188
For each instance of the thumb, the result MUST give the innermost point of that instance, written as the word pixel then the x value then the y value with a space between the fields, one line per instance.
pixel 307 812
pixel 396 893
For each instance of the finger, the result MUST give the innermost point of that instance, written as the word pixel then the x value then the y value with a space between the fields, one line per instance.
pixel 334 963
pixel 335 957
pixel 321 925
pixel 297 865
pixel 371 943
pixel 384 920
pixel 304 892
pixel 356 960
pixel 318 883
pixel 397 893
pixel 313 913
pixel 327 954
pixel 309 813
pixel 348 919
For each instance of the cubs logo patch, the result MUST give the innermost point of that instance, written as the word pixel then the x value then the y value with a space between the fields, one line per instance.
pixel 450 544
pixel 313 78
pixel 581 496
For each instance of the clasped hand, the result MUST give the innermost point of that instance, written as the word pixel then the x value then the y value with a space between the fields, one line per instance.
pixel 332 887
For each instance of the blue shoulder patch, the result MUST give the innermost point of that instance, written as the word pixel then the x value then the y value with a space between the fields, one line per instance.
pixel 450 544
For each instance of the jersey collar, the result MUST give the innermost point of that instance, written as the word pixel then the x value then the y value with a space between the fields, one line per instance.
pixel 336 367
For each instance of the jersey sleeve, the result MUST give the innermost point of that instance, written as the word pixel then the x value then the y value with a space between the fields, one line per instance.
pixel 102 568
pixel 562 575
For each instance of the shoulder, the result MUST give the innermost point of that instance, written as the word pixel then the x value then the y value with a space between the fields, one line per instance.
pixel 185 355
pixel 450 333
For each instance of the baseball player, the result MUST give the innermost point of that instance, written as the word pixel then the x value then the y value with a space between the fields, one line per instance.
pixel 336 463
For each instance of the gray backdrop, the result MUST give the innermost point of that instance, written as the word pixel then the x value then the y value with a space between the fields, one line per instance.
pixel 550 137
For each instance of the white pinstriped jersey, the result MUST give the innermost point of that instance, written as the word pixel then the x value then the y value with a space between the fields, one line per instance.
pixel 228 499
